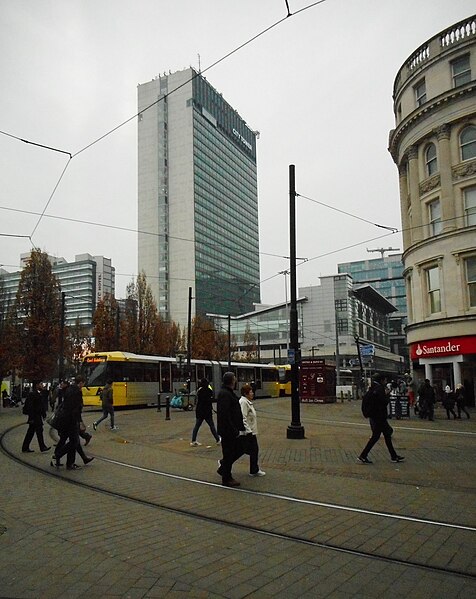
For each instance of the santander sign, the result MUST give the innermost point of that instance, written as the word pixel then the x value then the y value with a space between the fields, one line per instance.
pixel 443 347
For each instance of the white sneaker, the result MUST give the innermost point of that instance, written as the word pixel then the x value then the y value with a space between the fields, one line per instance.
pixel 219 440
pixel 259 473
pixel 195 444
pixel 114 428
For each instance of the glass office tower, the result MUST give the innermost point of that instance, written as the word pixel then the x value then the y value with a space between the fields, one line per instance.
pixel 198 201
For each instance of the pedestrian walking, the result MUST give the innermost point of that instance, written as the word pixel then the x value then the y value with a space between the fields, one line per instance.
pixel 68 426
pixel 204 412
pixel 461 401
pixel 34 408
pixel 107 399
pixel 449 402
pixel 230 428
pixel 377 410
pixel 427 400
pixel 251 427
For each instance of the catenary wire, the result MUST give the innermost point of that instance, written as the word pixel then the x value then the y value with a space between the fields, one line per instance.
pixel 392 229
pixel 249 41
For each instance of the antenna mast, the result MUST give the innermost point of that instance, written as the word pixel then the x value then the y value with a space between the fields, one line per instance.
pixel 383 250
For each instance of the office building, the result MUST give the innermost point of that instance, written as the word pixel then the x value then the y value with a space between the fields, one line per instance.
pixel 197 194
pixel 434 147
pixel 336 312
pixel 84 282
pixel 385 274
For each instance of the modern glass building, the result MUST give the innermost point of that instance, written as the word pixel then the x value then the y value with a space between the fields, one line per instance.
pixel 84 282
pixel 197 198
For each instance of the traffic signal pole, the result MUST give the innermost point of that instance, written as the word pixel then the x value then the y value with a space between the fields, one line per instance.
pixel 295 430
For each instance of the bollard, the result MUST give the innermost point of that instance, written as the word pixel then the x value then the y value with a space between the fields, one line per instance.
pixel 167 408
pixel 158 402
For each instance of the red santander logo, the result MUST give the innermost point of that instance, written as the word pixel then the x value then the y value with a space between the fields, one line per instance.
pixel 443 347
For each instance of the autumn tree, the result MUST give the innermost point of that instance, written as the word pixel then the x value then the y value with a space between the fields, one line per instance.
pixel 139 326
pixel 250 347
pixel 78 343
pixel 203 338
pixel 38 307
pixel 105 324
pixel 168 338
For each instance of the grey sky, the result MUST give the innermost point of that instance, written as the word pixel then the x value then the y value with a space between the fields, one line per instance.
pixel 318 88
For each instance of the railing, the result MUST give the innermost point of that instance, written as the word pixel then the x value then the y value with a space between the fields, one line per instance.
pixel 456 34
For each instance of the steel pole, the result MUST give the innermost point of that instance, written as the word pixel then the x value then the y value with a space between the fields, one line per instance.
pixel 295 430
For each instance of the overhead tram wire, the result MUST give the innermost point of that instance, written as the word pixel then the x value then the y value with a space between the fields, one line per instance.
pixel 393 229
pixel 214 64
pixel 71 156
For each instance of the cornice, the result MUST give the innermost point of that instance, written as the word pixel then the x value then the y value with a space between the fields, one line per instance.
pixel 426 111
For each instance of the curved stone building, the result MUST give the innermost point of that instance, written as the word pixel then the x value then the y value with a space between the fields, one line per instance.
pixel 434 147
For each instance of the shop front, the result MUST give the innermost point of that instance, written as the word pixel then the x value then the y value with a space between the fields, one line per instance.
pixel 448 361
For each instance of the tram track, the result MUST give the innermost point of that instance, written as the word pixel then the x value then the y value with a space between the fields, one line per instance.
pixel 254 528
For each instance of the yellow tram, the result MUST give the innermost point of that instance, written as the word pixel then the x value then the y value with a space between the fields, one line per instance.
pixel 138 379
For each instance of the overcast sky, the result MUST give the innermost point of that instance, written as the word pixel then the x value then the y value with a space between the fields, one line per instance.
pixel 318 87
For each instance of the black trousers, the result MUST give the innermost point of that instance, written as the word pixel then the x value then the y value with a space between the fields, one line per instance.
pixel 35 425
pixel 380 427
pixel 232 449
pixel 68 443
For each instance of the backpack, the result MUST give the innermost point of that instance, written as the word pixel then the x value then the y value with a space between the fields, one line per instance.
pixel 367 403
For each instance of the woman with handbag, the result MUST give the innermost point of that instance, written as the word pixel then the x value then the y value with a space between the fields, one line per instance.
pixel 250 440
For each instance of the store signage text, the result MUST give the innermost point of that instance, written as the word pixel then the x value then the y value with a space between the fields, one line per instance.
pixel 443 347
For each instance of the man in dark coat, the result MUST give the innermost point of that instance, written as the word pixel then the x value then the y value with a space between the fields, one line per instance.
pixel 204 411
pixel 35 410
pixel 69 427
pixel 378 414
pixel 230 428
pixel 427 400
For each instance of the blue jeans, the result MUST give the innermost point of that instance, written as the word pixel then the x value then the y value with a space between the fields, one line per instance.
pixel 198 424
pixel 107 411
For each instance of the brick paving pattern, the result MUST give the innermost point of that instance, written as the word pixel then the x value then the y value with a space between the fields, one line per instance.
pixel 64 540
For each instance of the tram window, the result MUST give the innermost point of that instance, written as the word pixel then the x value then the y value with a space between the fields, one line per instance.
pixel 209 373
pixel 133 372
pixel 151 372
pixel 269 375
pixel 245 375
pixel 115 371
pixel 165 377
pixel 97 376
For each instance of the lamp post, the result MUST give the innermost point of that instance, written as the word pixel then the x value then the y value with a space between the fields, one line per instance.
pixel 295 430
pixel 61 353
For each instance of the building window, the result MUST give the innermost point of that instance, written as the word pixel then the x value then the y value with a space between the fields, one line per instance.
pixel 461 70
pixel 433 286
pixel 420 92
pixel 471 280
pixel 431 160
pixel 470 206
pixel 434 217
pixel 467 140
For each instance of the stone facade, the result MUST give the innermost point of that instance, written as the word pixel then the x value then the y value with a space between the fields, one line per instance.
pixel 434 147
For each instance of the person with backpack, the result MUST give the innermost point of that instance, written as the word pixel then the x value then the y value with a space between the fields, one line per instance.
pixel 375 408
pixel 107 400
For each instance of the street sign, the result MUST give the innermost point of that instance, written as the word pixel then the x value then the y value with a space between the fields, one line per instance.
pixel 367 350
pixel 291 356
